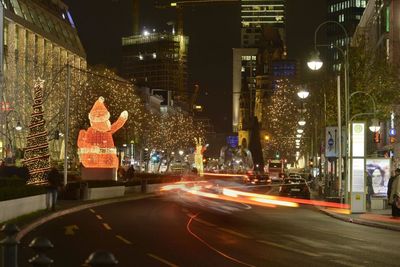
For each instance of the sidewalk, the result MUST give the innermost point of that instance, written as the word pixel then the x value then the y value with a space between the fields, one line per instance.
pixel 27 223
pixel 375 218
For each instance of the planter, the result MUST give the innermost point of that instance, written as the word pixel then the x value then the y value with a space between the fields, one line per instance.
pixel 105 192
pixel 13 208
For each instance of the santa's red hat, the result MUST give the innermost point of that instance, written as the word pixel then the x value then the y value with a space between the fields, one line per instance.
pixel 99 112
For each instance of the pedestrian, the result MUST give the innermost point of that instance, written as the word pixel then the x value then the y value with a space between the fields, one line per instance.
pixel 130 173
pixel 54 184
pixel 370 190
pixel 394 193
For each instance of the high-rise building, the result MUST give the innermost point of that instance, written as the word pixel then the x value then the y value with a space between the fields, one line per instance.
pixel 348 13
pixel 255 14
pixel 157 61
pixel 262 42
pixel 39 39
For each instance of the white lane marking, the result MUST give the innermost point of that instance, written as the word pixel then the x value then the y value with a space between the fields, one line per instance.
pixel 92 211
pixel 234 232
pixel 126 241
pixel 106 226
pixel 288 248
pixel 99 217
pixel 213 248
pixel 345 263
pixel 162 260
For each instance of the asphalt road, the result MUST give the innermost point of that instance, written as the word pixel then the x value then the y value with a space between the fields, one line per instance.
pixel 161 232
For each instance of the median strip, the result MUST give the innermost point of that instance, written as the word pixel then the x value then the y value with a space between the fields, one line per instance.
pixel 162 260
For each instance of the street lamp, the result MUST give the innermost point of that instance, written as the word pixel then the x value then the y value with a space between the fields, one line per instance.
pixel 303 93
pixel 302 122
pixel 298 135
pixel 313 65
pixel 375 127
pixel 180 152
pixel 19 127
pixel 300 131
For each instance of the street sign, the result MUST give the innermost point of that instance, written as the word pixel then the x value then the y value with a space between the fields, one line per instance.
pixel 392 132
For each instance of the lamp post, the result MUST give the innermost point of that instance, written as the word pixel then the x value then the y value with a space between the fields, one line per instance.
pixel 314 64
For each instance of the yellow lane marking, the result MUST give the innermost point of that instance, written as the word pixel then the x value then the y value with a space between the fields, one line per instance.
pixel 162 260
pixel 70 229
pixel 204 222
pixel 234 232
pixel 126 241
pixel 106 226
pixel 288 248
pixel 99 217
pixel 92 211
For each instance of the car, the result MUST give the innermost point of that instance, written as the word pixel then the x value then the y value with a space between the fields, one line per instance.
pixel 295 175
pixel 295 187
pixel 256 178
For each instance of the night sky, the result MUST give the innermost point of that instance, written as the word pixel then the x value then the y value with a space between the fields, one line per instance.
pixel 213 31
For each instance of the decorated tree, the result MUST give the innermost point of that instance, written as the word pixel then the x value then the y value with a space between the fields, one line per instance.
pixel 281 114
pixel 36 156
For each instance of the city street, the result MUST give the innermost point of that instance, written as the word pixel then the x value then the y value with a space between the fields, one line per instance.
pixel 159 232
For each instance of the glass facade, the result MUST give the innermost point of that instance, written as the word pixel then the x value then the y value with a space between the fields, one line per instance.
pixel 52 17
pixel 259 12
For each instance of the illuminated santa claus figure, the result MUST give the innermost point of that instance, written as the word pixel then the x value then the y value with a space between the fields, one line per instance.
pixel 96 145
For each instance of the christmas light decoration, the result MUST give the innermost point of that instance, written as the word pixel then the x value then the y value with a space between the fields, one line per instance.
pixel 96 145
pixel 36 156
pixel 198 156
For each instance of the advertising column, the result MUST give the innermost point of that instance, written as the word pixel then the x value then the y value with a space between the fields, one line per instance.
pixel 357 178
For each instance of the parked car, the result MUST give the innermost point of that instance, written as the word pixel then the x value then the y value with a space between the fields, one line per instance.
pixel 294 187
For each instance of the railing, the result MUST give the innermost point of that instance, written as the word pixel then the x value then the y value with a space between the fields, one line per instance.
pixel 40 246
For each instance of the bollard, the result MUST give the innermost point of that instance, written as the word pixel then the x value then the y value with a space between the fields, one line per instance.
pixel 101 258
pixel 40 245
pixel 144 185
pixel 10 245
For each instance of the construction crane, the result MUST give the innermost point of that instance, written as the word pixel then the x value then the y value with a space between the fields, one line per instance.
pixel 180 5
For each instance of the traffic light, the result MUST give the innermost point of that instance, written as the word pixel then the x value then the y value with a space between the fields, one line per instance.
pixel 146 154
pixel 277 156
pixel 56 134
pixel 377 137
pixel 392 139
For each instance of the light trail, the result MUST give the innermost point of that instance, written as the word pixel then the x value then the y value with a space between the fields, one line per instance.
pixel 239 196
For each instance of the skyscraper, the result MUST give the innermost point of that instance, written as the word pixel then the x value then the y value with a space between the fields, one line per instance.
pixel 348 13
pixel 262 42
pixel 157 61
pixel 255 14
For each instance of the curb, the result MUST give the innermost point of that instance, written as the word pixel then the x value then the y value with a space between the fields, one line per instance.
pixel 31 226
pixel 360 221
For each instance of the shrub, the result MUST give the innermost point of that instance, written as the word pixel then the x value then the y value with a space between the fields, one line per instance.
pixel 103 183
pixel 12 171
pixel 13 192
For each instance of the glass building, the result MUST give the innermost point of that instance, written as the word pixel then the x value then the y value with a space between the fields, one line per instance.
pixel 258 13
pixel 348 13
pixel 39 39
pixel 157 61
